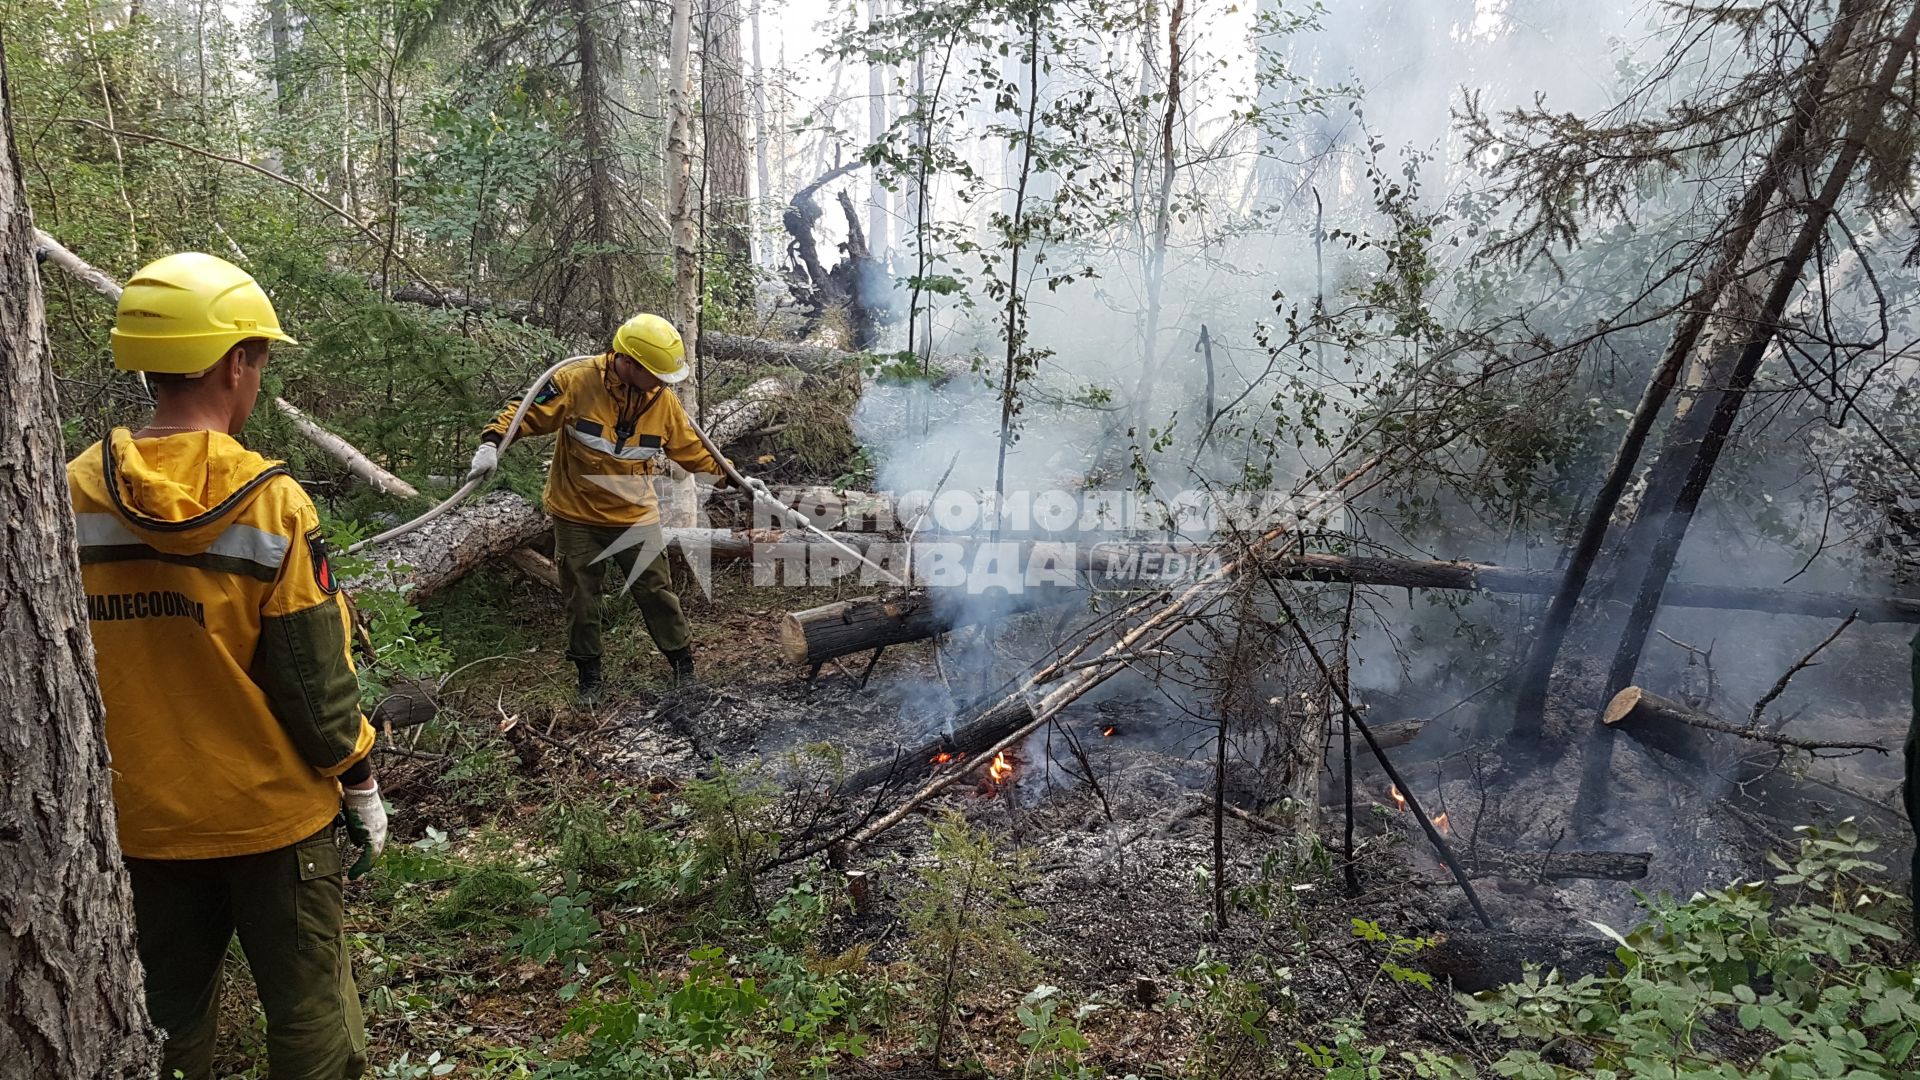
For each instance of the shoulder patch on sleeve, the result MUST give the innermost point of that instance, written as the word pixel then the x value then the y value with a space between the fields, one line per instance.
pixel 322 568
pixel 547 392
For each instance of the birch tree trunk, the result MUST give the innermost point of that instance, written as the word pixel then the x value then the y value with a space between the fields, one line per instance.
pixel 763 179
pixel 878 202
pixel 70 997
pixel 680 190
pixel 1156 260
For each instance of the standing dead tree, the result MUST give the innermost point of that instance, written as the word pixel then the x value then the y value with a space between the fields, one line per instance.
pixel 853 285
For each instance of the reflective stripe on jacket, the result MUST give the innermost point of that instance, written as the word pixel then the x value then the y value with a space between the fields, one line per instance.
pixel 221 642
pixel 614 441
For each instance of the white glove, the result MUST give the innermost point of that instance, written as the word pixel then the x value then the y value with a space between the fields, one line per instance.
pixel 366 825
pixel 485 460
pixel 758 487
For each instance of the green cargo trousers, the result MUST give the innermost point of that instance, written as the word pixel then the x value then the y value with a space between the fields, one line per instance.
pixel 583 576
pixel 1912 786
pixel 286 905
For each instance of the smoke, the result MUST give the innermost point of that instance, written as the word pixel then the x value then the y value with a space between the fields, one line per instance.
pixel 1274 222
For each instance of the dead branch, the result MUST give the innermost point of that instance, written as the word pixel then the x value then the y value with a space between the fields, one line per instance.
pixel 1803 663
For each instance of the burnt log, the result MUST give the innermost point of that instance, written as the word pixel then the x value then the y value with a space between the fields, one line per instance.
pixel 1638 708
pixel 1431 574
pixel 1548 866
pixel 947 751
pixel 1474 961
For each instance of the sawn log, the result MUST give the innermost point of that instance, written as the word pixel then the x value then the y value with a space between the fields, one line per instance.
pixel 1661 723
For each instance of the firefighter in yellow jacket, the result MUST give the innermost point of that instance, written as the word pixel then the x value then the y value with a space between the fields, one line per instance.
pixel 232 708
pixel 619 425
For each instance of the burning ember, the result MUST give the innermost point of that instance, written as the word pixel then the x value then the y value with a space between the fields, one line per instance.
pixel 942 758
pixel 1108 733
pixel 1000 769
pixel 1399 800
pixel 1440 823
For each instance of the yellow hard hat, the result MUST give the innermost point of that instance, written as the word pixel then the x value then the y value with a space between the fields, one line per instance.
pixel 181 314
pixel 655 344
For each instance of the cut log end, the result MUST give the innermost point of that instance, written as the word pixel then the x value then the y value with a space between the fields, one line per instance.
pixel 793 639
pixel 1622 704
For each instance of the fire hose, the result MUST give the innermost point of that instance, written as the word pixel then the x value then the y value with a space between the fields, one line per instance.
pixel 473 483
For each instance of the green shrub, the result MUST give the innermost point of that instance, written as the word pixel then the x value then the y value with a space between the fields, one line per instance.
pixel 1731 984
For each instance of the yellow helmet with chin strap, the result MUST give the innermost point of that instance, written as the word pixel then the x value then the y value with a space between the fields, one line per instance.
pixel 653 342
pixel 181 314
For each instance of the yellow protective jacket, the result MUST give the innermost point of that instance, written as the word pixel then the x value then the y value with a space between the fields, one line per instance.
pixel 614 440
pixel 221 641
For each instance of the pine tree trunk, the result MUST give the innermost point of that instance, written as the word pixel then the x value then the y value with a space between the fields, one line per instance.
pixel 70 997
pixel 596 142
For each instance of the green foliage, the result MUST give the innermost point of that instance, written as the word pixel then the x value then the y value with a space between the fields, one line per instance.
pixel 779 1011
pixel 403 644
pixel 565 931
pixel 733 818
pixel 1232 1014
pixel 965 916
pixel 1731 985
pixel 486 895
pixel 1054 1044
pixel 627 858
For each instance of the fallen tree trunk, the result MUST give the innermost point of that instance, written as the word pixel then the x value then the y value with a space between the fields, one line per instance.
pixel 744 413
pixel 1674 729
pixel 946 752
pixel 857 625
pixel 1530 866
pixel 741 349
pixel 1426 574
pixel 1473 961
pixel 460 541
pixel 828 508
pixel 344 452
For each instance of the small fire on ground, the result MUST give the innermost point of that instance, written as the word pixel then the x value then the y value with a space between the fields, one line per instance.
pixel 1000 769
pixel 1108 732
pixel 1400 803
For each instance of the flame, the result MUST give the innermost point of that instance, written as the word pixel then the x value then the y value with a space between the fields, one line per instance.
pixel 1399 800
pixel 1440 823
pixel 942 758
pixel 1000 769
pixel 1108 734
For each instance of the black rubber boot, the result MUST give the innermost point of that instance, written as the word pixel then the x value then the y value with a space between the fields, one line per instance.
pixel 682 663
pixel 589 688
